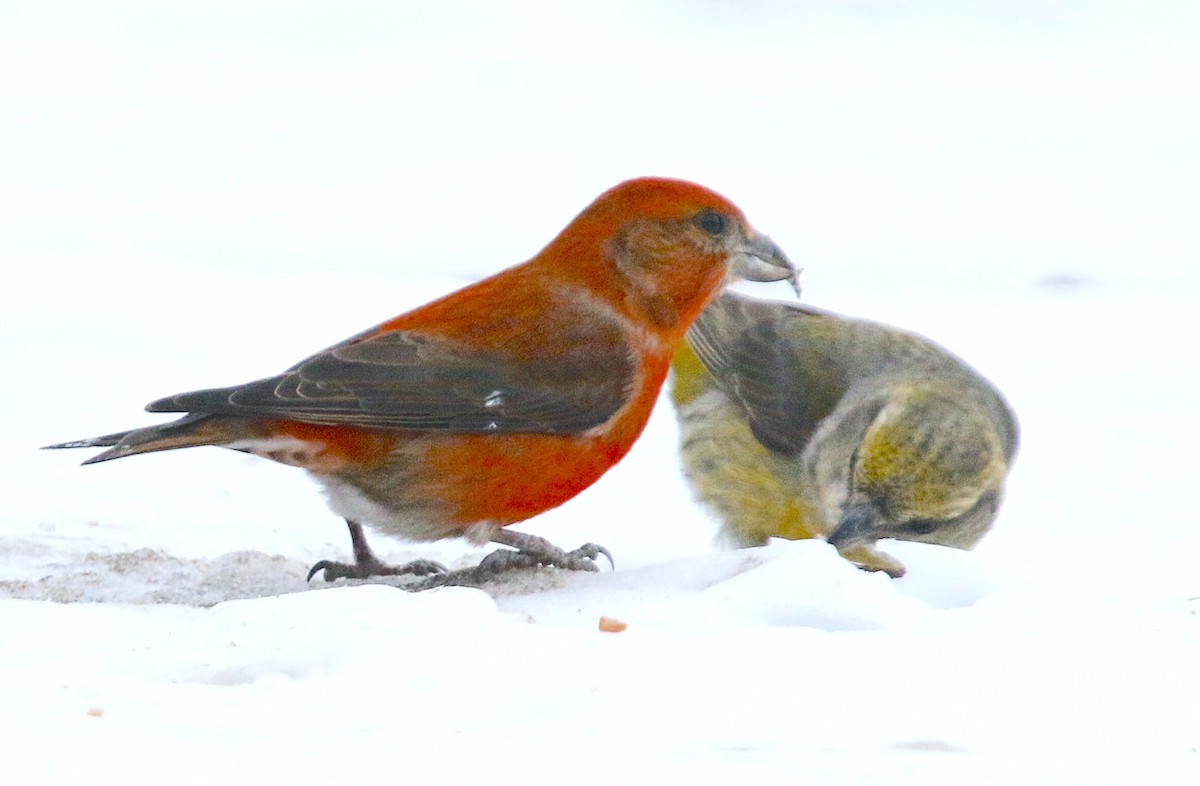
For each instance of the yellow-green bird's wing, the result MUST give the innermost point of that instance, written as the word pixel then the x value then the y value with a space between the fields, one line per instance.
pixel 777 361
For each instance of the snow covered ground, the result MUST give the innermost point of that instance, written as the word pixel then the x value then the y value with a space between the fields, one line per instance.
pixel 200 200
pixel 1063 650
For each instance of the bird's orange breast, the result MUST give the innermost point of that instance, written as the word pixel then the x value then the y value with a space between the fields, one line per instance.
pixel 506 478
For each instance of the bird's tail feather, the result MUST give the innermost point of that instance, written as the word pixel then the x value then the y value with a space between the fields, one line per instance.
pixel 187 432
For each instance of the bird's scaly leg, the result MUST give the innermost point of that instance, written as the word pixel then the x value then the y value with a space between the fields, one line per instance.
pixel 366 564
pixel 531 552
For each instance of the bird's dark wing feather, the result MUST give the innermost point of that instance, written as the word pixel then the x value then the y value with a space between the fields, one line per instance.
pixel 775 362
pixel 407 379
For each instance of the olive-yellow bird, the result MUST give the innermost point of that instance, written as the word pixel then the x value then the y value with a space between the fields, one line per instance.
pixel 799 423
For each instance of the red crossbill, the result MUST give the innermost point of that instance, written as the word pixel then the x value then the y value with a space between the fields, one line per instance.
pixel 498 401
pixel 798 423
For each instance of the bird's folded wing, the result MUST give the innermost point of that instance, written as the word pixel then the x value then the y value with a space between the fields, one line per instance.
pixel 407 379
pixel 776 361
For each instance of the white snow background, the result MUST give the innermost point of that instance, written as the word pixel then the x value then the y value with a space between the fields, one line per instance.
pixel 198 195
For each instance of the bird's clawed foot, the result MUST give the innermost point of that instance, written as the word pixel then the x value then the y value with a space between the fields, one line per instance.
pixel 367 565
pixel 532 552
pixel 365 570
pixel 525 552
pixel 583 558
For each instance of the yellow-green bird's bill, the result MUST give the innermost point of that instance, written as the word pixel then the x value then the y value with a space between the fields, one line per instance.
pixel 799 423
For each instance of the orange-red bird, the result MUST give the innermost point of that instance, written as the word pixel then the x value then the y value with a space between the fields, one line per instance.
pixel 496 402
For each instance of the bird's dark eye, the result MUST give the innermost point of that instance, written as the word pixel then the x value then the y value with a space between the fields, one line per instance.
pixel 923 526
pixel 712 222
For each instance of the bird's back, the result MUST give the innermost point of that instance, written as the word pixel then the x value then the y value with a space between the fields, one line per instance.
pixel 791 366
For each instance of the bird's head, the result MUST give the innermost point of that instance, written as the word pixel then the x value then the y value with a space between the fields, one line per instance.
pixel 672 246
pixel 930 468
